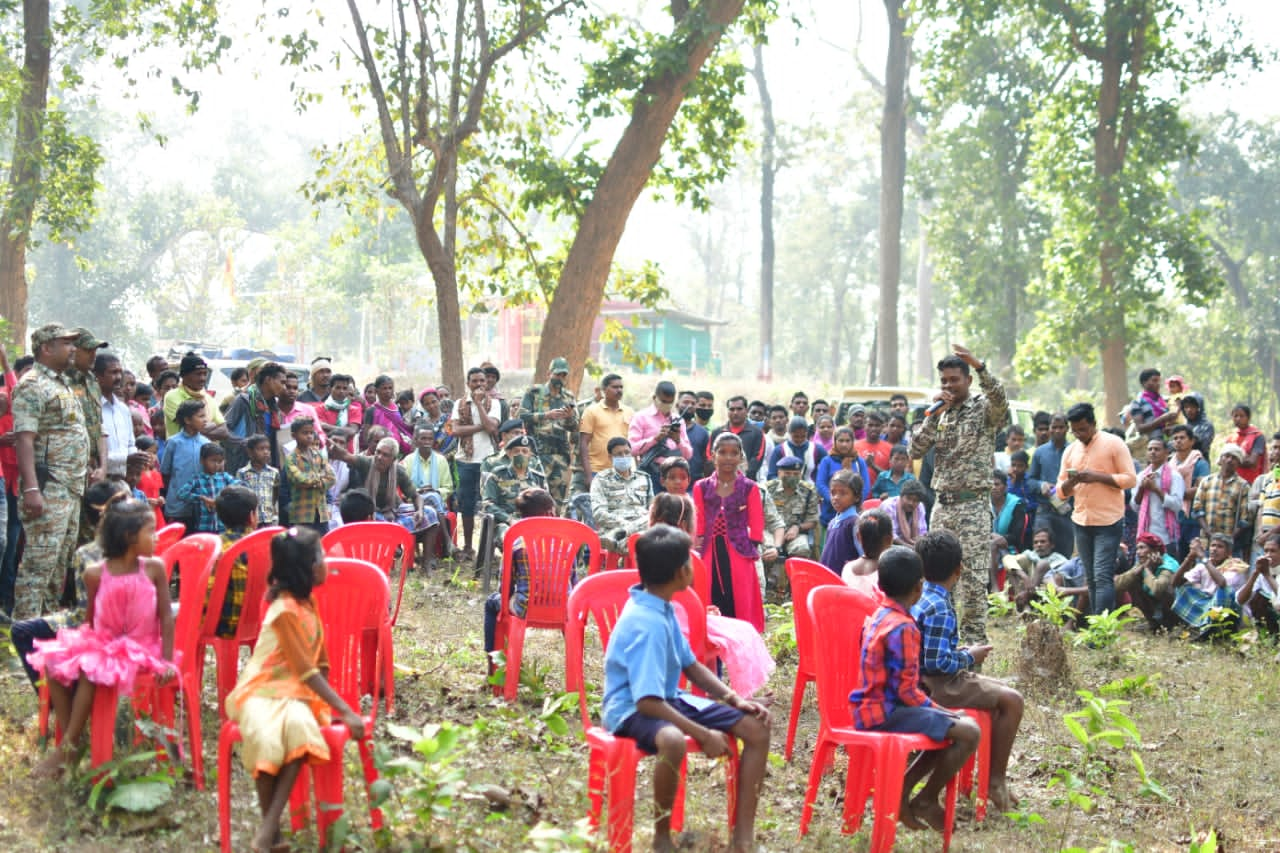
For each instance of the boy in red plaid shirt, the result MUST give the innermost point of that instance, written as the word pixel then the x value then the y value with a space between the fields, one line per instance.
pixel 889 699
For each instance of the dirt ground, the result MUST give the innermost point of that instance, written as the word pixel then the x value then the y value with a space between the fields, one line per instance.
pixel 1207 717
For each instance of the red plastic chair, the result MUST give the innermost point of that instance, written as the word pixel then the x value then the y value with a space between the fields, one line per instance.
pixel 869 503
pixel 613 761
pixel 375 542
pixel 353 599
pixel 551 546
pixel 978 767
pixel 199 553
pixel 880 761
pixel 804 576
pixel 167 536
pixel 256 548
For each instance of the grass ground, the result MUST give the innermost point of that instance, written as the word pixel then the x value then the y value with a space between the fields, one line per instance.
pixel 1207 715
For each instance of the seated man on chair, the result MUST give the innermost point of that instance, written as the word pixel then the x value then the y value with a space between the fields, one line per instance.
pixel 530 503
pixel 507 482
pixel 619 498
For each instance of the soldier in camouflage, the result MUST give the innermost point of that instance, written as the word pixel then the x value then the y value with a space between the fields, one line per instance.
pixel 620 498
pixel 53 454
pixel 961 429
pixel 551 417
pixel 797 502
pixel 507 481
pixel 86 389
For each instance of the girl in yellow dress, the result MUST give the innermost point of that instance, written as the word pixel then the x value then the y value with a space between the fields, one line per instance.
pixel 283 696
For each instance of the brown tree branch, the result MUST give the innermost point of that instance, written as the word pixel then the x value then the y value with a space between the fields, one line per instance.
pixel 398 164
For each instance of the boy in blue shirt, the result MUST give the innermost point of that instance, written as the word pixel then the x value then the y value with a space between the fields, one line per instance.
pixel 180 464
pixel 947 671
pixel 642 666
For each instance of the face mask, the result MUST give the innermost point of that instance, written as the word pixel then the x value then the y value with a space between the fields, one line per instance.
pixel 622 464
pixel 790 482
pixel 520 462
pixel 687 414
pixel 757 424
pixel 663 408
pixel 557 384
pixel 705 414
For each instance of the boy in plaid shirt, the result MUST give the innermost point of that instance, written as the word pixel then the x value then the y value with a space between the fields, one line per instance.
pixel 888 697
pixel 203 489
pixel 238 510
pixel 309 478
pixel 264 480
pixel 947 671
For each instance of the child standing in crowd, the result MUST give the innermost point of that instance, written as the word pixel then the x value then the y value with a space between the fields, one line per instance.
pixel 889 483
pixel 947 670
pixel 841 458
pixel 888 697
pixel 309 478
pixel 842 543
pixel 130 628
pixel 261 478
pixel 283 696
pixel 182 462
pixel 201 492
pixel 644 661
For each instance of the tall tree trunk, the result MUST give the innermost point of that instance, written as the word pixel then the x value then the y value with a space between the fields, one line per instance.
pixel 1108 161
pixel 768 170
pixel 24 173
pixel 580 290
pixel 924 301
pixel 893 175
pixel 448 312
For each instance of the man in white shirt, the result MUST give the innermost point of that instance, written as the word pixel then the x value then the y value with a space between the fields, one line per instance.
pixel 117 419
pixel 475 424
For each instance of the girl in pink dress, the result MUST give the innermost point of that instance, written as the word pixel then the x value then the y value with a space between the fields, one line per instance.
pixel 128 630
pixel 730 524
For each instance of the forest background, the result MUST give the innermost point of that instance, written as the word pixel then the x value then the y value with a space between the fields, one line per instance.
pixel 1075 189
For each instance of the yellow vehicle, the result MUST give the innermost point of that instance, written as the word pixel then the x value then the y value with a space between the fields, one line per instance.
pixel 876 398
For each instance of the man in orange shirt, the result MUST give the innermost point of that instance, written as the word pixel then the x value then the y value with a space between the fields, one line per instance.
pixel 1096 470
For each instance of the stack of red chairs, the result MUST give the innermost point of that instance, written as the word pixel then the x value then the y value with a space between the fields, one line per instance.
pixel 353 600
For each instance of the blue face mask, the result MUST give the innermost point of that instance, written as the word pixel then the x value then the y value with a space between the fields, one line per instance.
pixel 757 424
pixel 622 464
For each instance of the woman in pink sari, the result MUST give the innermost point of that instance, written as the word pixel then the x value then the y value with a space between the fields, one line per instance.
pixel 730 519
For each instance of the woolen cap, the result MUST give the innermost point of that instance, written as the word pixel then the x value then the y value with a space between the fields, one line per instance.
pixel 191 362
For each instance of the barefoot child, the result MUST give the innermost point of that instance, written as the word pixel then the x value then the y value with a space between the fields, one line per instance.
pixel 888 697
pixel 947 670
pixel 129 630
pixel 283 696
pixel 646 656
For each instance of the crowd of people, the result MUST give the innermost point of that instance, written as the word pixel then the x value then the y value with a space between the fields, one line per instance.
pixel 1181 522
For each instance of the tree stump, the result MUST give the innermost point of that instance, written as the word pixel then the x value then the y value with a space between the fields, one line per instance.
pixel 1044 669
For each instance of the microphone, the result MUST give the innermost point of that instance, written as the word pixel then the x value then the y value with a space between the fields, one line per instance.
pixel 935 408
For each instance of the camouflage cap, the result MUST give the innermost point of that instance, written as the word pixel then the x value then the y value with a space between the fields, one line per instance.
pixel 50 332
pixel 85 339
pixel 559 365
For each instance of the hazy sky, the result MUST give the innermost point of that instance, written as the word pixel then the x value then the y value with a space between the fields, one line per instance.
pixel 810 68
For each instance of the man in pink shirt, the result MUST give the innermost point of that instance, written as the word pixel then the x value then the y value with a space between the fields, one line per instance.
pixel 1096 470
pixel 658 433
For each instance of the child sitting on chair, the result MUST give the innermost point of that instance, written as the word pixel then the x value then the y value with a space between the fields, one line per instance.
pixel 947 670
pixel 888 697
pixel 646 656
pixel 531 503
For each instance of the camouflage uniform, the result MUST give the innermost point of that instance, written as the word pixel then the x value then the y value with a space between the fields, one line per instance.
pixel 554 438
pixel 620 506
pixel 502 488
pixel 87 392
pixel 964 440
pixel 798 507
pixel 44 403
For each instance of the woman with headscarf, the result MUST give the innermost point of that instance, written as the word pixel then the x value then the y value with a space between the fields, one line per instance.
pixel 1191 405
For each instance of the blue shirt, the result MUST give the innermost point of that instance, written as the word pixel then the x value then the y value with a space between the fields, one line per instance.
pixel 1046 462
pixel 842 541
pixel 885 487
pixel 936 616
pixel 646 655
pixel 179 467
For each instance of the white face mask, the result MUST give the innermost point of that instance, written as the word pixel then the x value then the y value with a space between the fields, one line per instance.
pixel 622 464
pixel 663 408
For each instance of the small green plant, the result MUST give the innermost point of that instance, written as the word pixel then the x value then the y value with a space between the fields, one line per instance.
pixel 1052 607
pixel 999 606
pixel 422 788
pixel 117 785
pixel 780 638
pixel 1102 630
pixel 1133 685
